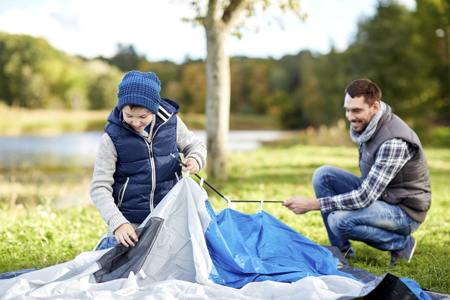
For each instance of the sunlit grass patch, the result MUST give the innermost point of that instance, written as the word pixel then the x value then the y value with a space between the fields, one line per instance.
pixel 41 236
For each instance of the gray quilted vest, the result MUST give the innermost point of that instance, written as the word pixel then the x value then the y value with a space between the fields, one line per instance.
pixel 410 188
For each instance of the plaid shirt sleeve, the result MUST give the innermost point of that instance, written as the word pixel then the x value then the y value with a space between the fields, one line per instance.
pixel 392 156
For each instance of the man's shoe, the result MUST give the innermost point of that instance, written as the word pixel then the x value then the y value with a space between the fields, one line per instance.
pixel 349 253
pixel 405 254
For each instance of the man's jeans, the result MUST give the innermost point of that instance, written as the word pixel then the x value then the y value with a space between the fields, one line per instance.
pixel 380 225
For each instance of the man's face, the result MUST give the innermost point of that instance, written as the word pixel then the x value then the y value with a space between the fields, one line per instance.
pixel 138 117
pixel 358 112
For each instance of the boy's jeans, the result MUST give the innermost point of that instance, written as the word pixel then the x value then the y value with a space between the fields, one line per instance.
pixel 380 225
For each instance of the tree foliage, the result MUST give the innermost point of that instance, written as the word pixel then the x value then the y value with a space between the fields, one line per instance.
pixel 33 74
pixel 396 47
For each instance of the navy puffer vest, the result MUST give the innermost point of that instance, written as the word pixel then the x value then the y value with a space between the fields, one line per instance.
pixel 145 170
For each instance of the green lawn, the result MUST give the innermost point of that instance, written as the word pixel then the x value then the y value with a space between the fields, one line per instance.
pixel 35 235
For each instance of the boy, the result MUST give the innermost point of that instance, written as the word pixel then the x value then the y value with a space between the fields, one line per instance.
pixel 134 168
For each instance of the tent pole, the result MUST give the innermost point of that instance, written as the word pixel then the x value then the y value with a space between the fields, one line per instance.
pixel 219 193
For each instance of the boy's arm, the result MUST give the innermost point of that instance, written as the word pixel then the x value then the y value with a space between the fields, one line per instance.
pixel 189 144
pixel 102 181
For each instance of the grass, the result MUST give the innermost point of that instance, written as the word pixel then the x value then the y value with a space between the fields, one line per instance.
pixel 29 186
pixel 37 235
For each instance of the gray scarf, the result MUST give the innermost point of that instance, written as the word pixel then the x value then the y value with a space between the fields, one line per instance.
pixel 364 136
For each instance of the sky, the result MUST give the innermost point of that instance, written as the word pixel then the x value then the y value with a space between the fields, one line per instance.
pixel 157 30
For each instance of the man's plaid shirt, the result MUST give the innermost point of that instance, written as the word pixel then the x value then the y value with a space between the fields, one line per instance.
pixel 391 157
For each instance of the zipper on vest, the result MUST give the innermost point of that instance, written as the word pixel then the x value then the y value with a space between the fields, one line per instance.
pixel 152 163
pixel 122 192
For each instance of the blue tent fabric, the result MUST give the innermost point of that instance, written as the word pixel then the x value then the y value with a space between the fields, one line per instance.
pixel 246 248
pixel 415 288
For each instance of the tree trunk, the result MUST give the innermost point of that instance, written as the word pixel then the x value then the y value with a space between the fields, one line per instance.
pixel 217 101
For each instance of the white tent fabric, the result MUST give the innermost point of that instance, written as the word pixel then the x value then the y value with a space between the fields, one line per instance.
pixel 177 267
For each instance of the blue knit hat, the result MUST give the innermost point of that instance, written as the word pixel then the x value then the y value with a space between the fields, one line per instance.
pixel 139 88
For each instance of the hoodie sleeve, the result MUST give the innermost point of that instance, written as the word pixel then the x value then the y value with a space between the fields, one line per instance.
pixel 101 184
pixel 189 144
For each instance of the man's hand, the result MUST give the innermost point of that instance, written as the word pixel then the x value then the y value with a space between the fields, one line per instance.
pixel 301 205
pixel 191 166
pixel 126 235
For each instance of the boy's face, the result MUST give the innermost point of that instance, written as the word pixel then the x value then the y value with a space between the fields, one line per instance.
pixel 138 117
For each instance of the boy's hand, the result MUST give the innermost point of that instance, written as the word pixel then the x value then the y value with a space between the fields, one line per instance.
pixel 126 235
pixel 191 165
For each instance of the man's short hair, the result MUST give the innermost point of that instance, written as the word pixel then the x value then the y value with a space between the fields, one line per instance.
pixel 364 87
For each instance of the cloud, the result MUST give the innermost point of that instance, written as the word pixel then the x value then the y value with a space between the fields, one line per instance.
pixel 92 28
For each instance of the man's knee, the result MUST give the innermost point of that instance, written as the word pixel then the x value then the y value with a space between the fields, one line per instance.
pixel 338 221
pixel 320 174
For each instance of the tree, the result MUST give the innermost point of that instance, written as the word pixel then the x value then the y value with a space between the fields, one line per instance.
pixel 386 50
pixel 219 19
pixel 126 58
pixel 193 85
pixel 434 30
pixel 33 74
pixel 102 88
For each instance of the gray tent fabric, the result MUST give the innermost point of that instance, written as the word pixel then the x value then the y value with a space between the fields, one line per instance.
pixel 120 260
pixel 390 288
pixel 360 274
pixel 386 286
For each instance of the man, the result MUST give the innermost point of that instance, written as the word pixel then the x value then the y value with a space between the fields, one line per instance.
pixel 391 198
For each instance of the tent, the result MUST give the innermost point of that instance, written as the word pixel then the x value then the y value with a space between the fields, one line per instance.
pixel 187 251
